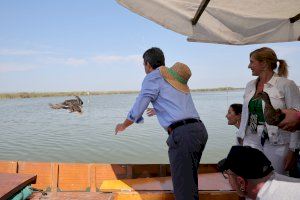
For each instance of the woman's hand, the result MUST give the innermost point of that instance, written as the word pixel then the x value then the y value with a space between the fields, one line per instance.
pixel 150 112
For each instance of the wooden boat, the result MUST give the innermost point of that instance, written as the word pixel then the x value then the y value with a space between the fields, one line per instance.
pixel 114 181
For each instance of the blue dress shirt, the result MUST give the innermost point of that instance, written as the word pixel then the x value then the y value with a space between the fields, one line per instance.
pixel 169 104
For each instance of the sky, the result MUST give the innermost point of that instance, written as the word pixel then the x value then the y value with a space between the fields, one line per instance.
pixel 97 45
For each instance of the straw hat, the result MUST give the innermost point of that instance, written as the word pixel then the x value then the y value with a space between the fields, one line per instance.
pixel 178 76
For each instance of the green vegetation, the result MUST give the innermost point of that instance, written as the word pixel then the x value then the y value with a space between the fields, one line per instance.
pixel 216 89
pixel 57 94
pixel 82 93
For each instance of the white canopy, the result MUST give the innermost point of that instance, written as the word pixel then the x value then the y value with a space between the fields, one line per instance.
pixel 224 21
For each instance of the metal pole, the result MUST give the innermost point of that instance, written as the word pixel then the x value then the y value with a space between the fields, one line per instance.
pixel 199 12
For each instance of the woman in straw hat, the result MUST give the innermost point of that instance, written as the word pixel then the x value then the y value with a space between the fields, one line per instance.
pixel 167 90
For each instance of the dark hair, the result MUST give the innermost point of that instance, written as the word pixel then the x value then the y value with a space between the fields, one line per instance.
pixel 155 57
pixel 269 56
pixel 237 108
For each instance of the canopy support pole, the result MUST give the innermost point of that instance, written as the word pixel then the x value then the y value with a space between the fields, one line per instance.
pixel 295 18
pixel 199 12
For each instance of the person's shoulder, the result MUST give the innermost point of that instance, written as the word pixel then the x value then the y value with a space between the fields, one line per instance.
pixel 153 76
pixel 280 177
pixel 155 73
pixel 251 83
pixel 285 82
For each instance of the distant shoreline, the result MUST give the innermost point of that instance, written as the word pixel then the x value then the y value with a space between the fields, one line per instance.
pixel 86 93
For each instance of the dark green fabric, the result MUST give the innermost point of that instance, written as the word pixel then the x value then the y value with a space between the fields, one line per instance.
pixel 255 107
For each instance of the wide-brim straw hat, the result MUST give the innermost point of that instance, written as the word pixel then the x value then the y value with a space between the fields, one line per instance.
pixel 177 76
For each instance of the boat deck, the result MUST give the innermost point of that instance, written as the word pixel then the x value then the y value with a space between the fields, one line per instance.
pixel 114 181
pixel 146 195
pixel 11 184
pixel 72 195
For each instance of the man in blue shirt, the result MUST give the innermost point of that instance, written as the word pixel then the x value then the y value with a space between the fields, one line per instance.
pixel 168 92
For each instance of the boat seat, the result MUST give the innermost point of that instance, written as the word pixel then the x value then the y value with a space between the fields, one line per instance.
pixel 206 182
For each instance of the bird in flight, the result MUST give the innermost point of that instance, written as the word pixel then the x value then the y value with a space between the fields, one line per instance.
pixel 73 105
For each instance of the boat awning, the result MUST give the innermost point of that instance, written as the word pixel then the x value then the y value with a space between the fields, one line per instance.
pixel 224 21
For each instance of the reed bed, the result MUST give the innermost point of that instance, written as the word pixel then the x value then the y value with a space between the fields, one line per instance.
pixel 85 93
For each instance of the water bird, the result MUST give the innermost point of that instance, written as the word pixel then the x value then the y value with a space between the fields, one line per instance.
pixel 73 105
pixel 272 116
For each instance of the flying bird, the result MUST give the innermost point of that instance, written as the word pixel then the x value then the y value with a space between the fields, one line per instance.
pixel 272 116
pixel 73 105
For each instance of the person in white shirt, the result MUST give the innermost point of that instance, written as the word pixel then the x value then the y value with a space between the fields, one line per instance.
pixel 277 144
pixel 251 174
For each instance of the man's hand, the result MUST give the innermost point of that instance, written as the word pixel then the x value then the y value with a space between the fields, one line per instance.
pixel 123 126
pixel 150 112
pixel 291 121
pixel 119 128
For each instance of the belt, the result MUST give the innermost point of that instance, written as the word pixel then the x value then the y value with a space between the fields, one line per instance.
pixel 181 123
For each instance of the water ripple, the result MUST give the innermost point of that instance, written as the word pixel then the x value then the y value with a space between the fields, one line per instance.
pixel 30 130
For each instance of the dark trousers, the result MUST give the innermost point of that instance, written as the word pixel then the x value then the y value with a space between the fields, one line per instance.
pixel 186 144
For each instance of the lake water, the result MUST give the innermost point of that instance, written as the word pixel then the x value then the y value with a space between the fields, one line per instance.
pixel 31 131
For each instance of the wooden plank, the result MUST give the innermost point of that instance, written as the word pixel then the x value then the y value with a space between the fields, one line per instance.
pixel 163 170
pixel 144 196
pixel 84 177
pixel 72 196
pixel 92 175
pixel 8 166
pixel 203 169
pixel 154 195
pixel 109 172
pixel 158 170
pixel 213 195
pixel 73 177
pixel 147 170
pixel 54 175
pixel 10 184
pixel 219 195
pixel 43 170
pixel 206 182
pixel 207 168
pixel 129 171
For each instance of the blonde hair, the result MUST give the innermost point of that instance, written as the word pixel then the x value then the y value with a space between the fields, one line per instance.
pixel 269 56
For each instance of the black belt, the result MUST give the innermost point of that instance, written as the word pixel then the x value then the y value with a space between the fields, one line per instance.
pixel 181 123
